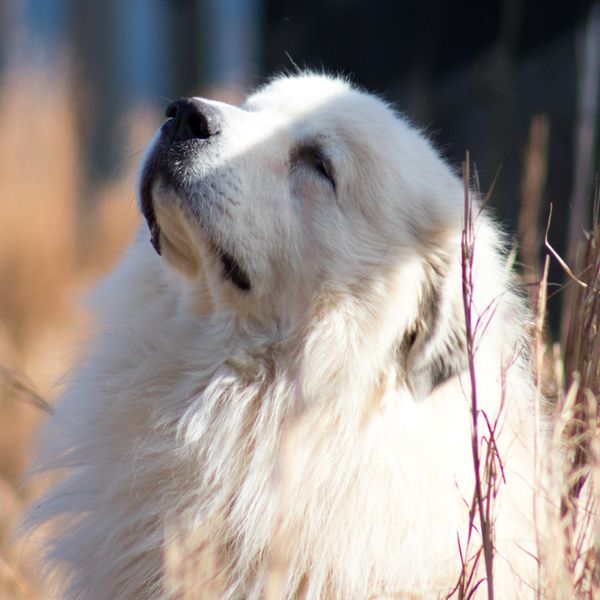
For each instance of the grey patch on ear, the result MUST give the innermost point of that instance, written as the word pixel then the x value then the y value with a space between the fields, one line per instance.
pixel 434 349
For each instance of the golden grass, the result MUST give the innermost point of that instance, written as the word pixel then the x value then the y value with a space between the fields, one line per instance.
pixel 578 427
pixel 53 245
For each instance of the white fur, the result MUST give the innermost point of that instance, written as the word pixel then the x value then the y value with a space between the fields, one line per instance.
pixel 301 423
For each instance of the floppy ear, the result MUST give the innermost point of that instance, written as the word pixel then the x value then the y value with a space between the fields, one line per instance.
pixel 433 349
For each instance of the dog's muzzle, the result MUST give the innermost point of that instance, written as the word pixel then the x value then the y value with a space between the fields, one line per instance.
pixel 190 126
pixel 191 122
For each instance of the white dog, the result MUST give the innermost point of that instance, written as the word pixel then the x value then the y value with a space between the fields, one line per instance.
pixel 289 379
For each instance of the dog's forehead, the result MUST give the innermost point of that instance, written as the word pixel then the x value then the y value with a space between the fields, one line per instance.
pixel 299 94
pixel 322 104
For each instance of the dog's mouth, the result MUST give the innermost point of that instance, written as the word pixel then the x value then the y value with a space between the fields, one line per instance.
pixel 233 271
pixel 147 208
pixel 231 268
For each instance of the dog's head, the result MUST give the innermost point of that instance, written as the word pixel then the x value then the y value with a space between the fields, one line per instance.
pixel 310 194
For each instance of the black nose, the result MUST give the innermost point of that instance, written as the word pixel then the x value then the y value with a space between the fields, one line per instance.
pixel 191 118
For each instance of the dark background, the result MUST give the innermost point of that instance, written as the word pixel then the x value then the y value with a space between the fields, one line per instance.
pixel 472 74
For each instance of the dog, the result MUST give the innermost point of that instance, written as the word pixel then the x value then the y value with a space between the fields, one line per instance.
pixel 285 382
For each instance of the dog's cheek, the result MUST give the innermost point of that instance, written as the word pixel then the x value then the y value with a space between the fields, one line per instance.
pixel 305 192
pixel 304 202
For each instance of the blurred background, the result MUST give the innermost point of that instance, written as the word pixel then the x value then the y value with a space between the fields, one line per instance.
pixel 83 85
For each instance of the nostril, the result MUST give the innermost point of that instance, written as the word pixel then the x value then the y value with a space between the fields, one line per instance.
pixel 189 119
pixel 171 111
pixel 198 125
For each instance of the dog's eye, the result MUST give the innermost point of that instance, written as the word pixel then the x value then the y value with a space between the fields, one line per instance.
pixel 314 158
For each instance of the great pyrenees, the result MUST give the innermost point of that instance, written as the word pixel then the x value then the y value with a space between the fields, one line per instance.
pixel 283 382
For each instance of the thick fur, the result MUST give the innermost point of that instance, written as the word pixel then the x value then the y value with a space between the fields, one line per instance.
pixel 317 424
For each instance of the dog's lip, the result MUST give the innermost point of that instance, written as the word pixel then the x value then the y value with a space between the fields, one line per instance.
pixel 233 271
pixel 147 207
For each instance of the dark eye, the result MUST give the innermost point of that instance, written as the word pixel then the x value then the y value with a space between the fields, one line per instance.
pixel 314 158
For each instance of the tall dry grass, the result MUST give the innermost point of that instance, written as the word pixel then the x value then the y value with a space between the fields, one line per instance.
pixel 576 566
pixel 53 245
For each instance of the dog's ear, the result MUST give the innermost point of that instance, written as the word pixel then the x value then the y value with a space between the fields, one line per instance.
pixel 433 349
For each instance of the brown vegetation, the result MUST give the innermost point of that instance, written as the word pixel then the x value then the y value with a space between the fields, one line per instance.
pixel 52 245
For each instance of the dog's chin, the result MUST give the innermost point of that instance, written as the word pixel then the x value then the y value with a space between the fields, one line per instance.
pixel 181 243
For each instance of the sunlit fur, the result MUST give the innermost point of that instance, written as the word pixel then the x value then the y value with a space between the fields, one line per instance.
pixel 319 423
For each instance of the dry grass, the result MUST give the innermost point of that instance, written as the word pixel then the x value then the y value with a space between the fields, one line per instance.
pixel 532 191
pixel 487 465
pixel 46 262
pixel 51 248
pixel 578 425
